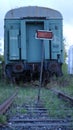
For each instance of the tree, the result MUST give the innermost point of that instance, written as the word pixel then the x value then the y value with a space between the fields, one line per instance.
pixel 1 58
pixel 65 51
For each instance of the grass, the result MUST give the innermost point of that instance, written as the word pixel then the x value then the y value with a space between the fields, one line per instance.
pixel 64 84
pixel 28 94
pixel 65 69
pixel 56 107
pixel 59 108
pixel 23 111
pixel 3 119
pixel 6 90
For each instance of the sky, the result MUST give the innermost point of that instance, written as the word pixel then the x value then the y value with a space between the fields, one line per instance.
pixel 65 7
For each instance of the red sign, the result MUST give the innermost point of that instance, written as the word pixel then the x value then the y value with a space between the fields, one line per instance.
pixel 41 34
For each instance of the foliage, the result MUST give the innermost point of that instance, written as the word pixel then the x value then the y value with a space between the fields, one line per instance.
pixel 23 111
pixel 3 119
pixel 28 93
pixel 6 90
pixel 1 58
pixel 56 107
pixel 64 69
pixel 65 52
pixel 1 66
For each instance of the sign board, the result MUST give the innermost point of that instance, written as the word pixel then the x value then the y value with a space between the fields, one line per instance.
pixel 43 34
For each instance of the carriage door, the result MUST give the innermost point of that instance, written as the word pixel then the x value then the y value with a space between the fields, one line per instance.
pixel 34 46
pixel 13 44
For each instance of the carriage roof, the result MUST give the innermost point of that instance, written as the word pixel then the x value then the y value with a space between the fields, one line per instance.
pixel 33 11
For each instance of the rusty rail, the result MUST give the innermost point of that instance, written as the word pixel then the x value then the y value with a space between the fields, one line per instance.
pixel 63 96
pixel 7 103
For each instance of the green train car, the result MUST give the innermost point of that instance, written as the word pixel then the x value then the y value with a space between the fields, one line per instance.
pixel 23 51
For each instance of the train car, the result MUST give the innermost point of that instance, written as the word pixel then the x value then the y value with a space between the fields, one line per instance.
pixel 23 51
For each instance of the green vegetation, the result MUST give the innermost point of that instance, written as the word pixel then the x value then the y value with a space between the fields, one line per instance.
pixel 3 119
pixel 1 58
pixel 65 84
pixel 57 108
pixel 65 69
pixel 1 66
pixel 23 111
pixel 28 94
pixel 6 90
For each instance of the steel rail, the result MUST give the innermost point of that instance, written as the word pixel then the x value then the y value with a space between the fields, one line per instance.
pixel 41 120
pixel 63 96
pixel 41 124
pixel 7 103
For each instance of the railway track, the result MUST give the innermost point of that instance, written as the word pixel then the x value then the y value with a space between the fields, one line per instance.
pixel 33 117
pixel 37 118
